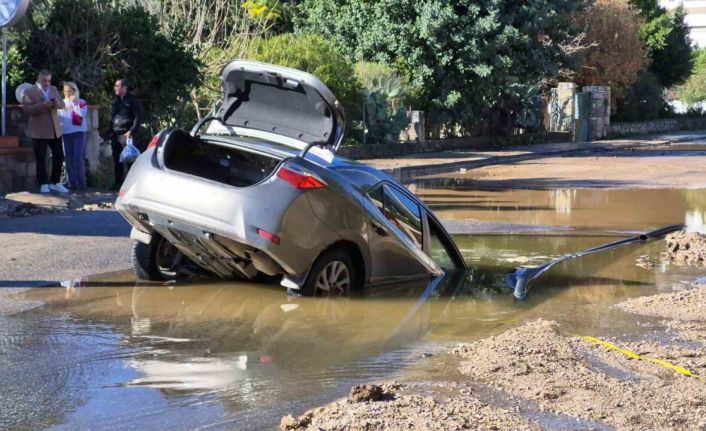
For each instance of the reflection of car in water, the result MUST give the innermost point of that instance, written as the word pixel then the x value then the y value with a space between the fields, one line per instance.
pixel 215 337
pixel 261 192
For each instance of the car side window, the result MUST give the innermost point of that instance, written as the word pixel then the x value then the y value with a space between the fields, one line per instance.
pixel 404 213
pixel 438 251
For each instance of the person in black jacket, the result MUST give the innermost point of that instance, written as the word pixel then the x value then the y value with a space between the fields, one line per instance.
pixel 125 112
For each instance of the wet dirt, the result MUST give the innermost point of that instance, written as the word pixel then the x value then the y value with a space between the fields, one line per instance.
pixel 677 166
pixel 686 248
pixel 110 353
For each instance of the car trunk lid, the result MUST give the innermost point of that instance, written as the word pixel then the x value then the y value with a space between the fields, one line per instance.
pixel 275 102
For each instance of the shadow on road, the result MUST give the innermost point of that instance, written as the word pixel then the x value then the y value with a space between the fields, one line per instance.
pixel 75 223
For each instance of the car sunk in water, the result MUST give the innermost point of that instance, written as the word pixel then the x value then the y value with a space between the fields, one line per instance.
pixel 262 192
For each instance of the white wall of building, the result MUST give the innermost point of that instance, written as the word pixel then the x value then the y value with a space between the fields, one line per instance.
pixel 695 18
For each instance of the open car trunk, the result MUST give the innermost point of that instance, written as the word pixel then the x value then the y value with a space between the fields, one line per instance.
pixel 216 161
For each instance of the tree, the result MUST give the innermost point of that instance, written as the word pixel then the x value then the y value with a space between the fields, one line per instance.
pixel 617 55
pixel 94 43
pixel 319 57
pixel 217 31
pixel 469 62
pixel 643 100
pixel 693 91
pixel 666 37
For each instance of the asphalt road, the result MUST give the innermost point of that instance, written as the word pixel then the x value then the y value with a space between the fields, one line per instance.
pixel 50 248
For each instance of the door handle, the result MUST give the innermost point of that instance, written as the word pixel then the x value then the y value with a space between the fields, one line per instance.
pixel 378 228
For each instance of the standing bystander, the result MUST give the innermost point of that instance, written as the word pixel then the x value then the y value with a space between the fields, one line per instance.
pixel 41 102
pixel 125 114
pixel 73 121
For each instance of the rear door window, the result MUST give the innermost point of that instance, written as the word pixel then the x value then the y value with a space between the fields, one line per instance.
pixel 402 211
pixel 439 250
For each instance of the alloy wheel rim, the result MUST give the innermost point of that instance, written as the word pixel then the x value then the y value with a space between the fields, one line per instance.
pixel 333 280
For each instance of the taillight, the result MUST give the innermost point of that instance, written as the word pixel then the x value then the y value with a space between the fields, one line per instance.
pixel 300 180
pixel 153 142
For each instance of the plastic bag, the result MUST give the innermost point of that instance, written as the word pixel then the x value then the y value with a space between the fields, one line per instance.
pixel 129 153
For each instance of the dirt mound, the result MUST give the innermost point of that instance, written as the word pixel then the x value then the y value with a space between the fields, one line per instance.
pixel 406 411
pixel 686 248
pixel 684 305
pixel 570 376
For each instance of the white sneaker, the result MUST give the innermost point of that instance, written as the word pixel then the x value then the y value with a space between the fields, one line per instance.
pixel 44 188
pixel 58 187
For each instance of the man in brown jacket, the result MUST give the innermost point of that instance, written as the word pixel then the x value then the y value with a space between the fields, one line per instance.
pixel 41 103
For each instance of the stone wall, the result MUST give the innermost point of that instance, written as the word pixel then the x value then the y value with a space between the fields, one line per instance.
pixel 385 151
pixel 656 126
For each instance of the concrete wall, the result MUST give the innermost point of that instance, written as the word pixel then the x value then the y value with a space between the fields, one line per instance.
pixel 475 143
pixel 656 126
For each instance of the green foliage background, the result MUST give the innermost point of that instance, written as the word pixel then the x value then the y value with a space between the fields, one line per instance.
pixel 95 44
pixel 469 62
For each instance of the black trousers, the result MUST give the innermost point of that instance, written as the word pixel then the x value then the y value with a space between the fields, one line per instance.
pixel 117 146
pixel 57 159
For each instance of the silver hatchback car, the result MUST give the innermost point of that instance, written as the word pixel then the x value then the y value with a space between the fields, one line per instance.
pixel 261 192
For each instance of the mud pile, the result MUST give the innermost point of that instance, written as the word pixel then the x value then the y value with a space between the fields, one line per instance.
pixel 686 248
pixel 574 377
pixel 684 311
pixel 395 410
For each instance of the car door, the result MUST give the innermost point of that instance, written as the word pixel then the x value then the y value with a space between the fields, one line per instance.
pixel 396 236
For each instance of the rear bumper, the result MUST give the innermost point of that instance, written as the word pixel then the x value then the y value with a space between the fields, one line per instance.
pixel 216 225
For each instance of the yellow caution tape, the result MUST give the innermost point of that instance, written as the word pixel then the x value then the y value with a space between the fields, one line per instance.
pixel 633 355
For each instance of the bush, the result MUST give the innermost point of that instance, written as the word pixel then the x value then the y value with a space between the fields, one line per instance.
pixel 94 44
pixel 693 91
pixel 644 100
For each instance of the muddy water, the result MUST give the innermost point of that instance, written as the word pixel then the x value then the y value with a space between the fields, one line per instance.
pixel 111 353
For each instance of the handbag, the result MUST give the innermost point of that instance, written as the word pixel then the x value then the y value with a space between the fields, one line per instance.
pixel 76 119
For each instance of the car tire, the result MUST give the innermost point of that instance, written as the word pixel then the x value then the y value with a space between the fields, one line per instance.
pixel 333 270
pixel 145 260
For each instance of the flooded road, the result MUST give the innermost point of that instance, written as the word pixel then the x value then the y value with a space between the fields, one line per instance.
pixel 113 354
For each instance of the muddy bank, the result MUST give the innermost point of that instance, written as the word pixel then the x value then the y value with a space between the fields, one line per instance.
pixel 396 409
pixel 547 380
pixel 656 168
pixel 575 377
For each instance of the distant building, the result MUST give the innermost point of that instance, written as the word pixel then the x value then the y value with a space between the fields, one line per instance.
pixel 695 18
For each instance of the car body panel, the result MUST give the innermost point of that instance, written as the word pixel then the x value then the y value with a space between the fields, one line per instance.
pixel 219 226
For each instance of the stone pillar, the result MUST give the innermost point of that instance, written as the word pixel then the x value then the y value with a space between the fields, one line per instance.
pixel 561 107
pixel 415 130
pixel 599 113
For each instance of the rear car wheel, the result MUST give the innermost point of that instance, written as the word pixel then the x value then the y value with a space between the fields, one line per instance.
pixel 155 261
pixel 333 274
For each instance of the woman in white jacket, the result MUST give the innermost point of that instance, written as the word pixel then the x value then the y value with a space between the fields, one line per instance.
pixel 73 120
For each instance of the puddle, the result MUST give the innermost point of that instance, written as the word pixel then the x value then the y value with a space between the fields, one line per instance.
pixel 112 354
